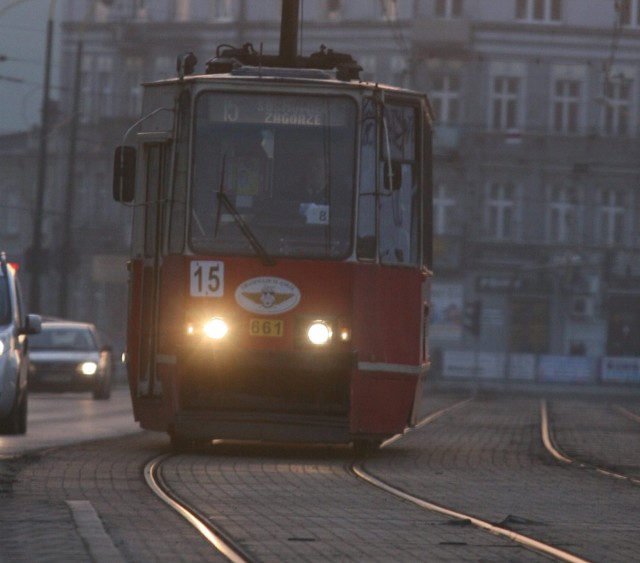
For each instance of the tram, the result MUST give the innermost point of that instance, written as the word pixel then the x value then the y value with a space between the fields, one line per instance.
pixel 281 249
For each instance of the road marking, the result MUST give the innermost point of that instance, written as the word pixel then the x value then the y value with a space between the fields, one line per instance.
pixel 91 530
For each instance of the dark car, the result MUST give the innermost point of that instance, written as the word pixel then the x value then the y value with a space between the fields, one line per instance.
pixel 71 356
pixel 14 351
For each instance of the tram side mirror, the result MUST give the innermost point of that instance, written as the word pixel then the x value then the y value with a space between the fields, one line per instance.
pixel 392 181
pixel 124 174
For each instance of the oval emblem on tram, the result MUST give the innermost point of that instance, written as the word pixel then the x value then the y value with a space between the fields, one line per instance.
pixel 267 296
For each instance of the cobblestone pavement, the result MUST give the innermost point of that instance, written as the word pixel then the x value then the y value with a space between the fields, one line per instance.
pixel 301 503
pixel 488 460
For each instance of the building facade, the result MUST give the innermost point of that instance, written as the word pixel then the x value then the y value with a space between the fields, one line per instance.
pixel 536 175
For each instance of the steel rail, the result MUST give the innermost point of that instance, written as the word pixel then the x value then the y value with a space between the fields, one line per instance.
pixel 358 470
pixel 210 533
pixel 555 451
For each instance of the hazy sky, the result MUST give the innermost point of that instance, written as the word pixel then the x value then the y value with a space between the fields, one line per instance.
pixel 22 41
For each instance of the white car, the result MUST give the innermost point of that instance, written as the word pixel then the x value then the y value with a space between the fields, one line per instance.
pixel 14 351
pixel 70 356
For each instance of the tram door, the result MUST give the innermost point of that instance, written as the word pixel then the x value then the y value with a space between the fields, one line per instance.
pixel 156 158
pixel 394 223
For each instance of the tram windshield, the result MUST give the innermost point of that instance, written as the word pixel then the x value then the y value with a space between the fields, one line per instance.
pixel 276 169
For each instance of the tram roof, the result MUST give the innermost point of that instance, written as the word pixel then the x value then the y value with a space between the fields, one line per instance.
pixel 284 76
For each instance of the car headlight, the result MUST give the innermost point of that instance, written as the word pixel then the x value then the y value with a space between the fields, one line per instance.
pixel 319 333
pixel 88 368
pixel 2 345
pixel 215 328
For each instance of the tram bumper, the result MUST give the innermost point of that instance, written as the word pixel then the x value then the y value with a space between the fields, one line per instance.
pixel 266 395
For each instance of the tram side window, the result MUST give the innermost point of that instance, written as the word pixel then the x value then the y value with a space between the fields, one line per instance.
pixel 179 197
pixel 366 247
pixel 155 175
pixel 399 195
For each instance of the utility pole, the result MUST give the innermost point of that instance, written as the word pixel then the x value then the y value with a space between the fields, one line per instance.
pixel 37 257
pixel 66 260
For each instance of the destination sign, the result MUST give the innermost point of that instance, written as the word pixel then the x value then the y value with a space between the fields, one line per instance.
pixel 277 110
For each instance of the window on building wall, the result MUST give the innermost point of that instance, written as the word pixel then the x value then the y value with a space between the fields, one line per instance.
pixel 164 67
pixel 86 89
pixel 389 10
pixel 444 208
pixel 566 106
pixel 399 73
pixel 81 202
pixel 611 216
pixel 96 79
pixel 448 8
pixel 505 101
pixel 133 67
pixel 445 97
pixel 140 7
pixel 104 86
pixel 10 213
pixel 500 210
pixel 102 213
pixel 563 218
pixel 334 9
pixel 221 10
pixel 616 106
pixel 539 10
pixel 369 64
pixel 628 12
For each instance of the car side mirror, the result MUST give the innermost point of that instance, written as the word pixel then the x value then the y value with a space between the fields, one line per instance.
pixel 32 324
pixel 124 174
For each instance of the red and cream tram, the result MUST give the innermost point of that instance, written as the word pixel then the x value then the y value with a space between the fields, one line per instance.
pixel 281 253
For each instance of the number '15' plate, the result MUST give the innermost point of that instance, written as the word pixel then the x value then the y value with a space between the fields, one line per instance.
pixel 266 327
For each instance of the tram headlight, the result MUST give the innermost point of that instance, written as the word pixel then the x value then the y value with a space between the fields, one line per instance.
pixel 319 333
pixel 215 328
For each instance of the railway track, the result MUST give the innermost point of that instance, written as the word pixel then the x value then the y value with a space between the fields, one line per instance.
pixel 230 549
pixel 225 545
pixel 596 465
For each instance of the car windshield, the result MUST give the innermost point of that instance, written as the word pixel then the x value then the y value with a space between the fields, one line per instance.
pixel 80 339
pixel 5 303
pixel 273 175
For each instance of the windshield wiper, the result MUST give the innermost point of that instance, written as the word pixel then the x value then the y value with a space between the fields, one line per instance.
pixel 223 199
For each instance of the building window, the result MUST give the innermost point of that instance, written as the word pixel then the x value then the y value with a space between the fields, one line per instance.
pixel 86 87
pixel 369 65
pixel 505 103
pixel 444 206
pixel 164 67
pixel 221 10
pixel 132 84
pixel 104 86
pixel 398 70
pixel 611 217
pixel 96 80
pixel 389 10
pixel 563 217
pixel 566 106
pixel 545 11
pixel 449 8
pixel 334 10
pixel 616 106
pixel 445 97
pixel 629 12
pixel 500 211
pixel 10 213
